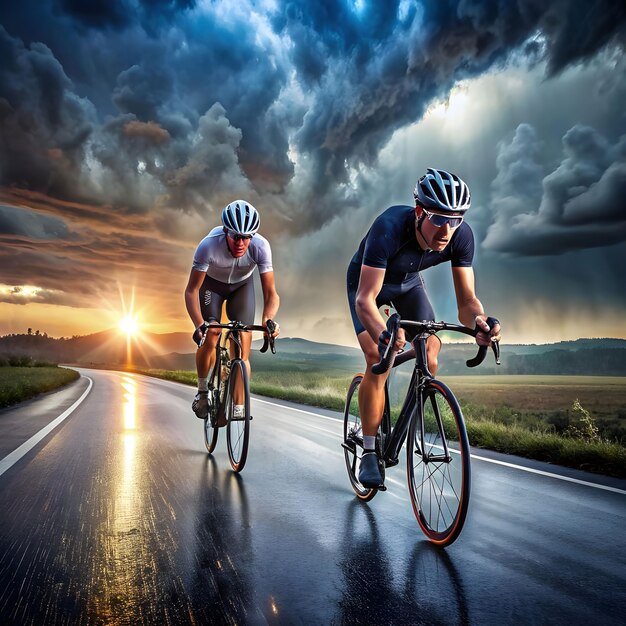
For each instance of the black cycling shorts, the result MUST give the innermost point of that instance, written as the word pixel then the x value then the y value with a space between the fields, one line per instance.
pixel 408 298
pixel 239 299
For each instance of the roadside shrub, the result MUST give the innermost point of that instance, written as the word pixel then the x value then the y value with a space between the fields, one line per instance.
pixel 20 361
pixel 585 427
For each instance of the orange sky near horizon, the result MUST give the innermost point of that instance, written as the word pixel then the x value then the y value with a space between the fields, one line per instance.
pixel 63 321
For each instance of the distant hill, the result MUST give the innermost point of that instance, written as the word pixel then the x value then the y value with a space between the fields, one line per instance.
pixel 175 351
pixel 106 347
pixel 296 345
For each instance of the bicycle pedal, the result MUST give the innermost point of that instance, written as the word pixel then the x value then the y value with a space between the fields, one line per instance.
pixel 382 488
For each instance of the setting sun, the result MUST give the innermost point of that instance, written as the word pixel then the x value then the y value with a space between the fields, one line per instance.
pixel 129 325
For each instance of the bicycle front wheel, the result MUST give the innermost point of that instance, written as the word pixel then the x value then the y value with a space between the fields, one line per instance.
pixel 353 440
pixel 438 465
pixel 210 423
pixel 238 427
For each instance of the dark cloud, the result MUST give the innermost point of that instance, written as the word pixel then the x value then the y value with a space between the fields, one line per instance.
pixel 119 14
pixel 98 13
pixel 82 269
pixel 349 76
pixel 143 90
pixel 43 125
pixel 579 205
pixel 15 221
pixel 134 121
pixel 382 71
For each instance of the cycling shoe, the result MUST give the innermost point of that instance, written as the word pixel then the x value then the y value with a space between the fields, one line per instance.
pixel 369 472
pixel 200 405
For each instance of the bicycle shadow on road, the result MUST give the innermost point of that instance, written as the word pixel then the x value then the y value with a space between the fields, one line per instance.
pixel 378 589
pixel 221 591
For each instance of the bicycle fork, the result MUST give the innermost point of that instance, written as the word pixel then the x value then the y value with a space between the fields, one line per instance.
pixel 428 456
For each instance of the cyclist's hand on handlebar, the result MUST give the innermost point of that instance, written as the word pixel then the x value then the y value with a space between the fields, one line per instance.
pixel 273 328
pixel 199 335
pixel 486 335
pixel 385 336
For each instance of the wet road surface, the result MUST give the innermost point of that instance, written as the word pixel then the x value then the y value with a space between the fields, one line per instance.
pixel 120 517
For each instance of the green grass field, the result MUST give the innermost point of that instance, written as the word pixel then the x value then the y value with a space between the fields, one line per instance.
pixel 575 421
pixel 21 383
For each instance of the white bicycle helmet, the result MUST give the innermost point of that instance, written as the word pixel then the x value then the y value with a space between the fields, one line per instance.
pixel 442 192
pixel 241 217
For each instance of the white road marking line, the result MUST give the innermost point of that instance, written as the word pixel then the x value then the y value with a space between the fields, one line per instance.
pixel 549 474
pixel 474 456
pixel 13 457
pixel 482 458
pixel 284 406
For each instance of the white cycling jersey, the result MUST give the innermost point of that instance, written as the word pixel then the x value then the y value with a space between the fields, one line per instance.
pixel 213 257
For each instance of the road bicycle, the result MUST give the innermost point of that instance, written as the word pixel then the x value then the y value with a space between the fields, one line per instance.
pixel 229 374
pixel 437 452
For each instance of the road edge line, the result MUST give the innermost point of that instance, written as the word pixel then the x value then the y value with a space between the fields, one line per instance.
pixel 482 458
pixel 13 457
pixel 474 456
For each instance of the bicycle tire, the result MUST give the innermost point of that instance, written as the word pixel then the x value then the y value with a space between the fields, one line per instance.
pixel 237 430
pixel 210 429
pixel 353 440
pixel 439 489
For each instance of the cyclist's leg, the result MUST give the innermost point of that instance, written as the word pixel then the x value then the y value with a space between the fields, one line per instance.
pixel 415 305
pixel 211 300
pixel 240 306
pixel 372 387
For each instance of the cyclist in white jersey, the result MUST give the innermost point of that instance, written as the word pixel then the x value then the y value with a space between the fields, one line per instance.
pixel 222 271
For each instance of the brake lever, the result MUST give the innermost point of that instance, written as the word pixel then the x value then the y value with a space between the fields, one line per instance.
pixel 388 355
pixel 482 350
pixel 268 340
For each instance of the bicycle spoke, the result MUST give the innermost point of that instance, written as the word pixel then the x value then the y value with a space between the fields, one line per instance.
pixel 237 428
pixel 439 488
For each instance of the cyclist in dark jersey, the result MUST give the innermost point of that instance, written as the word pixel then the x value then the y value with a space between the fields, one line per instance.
pixel 222 272
pixel 403 241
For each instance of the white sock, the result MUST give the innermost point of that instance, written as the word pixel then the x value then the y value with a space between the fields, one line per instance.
pixel 203 384
pixel 239 410
pixel 369 443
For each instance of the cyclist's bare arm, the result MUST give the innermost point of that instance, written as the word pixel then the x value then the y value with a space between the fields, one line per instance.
pixel 471 311
pixel 271 300
pixel 370 284
pixel 192 301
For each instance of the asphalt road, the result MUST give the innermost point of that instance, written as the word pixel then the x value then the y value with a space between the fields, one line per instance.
pixel 118 516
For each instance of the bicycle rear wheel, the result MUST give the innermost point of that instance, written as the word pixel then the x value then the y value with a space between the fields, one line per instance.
pixel 353 440
pixel 238 428
pixel 439 483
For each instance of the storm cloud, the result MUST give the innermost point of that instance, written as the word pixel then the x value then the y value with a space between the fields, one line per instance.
pixel 578 205
pixel 324 84
pixel 125 126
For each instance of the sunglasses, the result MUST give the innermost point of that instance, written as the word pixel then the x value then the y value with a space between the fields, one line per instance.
pixel 237 237
pixel 441 220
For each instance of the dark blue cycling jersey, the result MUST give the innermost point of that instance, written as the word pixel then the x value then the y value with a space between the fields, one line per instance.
pixel 391 244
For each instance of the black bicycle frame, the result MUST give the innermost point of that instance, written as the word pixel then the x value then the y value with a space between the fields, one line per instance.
pixel 395 437
pixel 234 334
pixel 414 401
